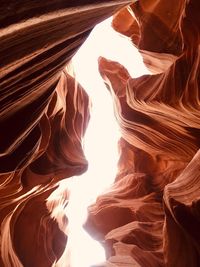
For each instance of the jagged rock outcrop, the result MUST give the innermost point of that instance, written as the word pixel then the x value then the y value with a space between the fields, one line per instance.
pixel 43 117
pixel 151 215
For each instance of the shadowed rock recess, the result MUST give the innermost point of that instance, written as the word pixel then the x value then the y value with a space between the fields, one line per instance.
pixel 150 217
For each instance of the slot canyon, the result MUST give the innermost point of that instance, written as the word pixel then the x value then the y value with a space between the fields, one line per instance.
pixel 149 215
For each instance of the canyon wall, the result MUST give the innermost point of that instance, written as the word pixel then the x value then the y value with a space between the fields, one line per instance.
pixel 150 216
pixel 43 116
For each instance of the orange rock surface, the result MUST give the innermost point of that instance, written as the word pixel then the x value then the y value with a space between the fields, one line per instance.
pixel 43 116
pixel 150 217
pixel 151 214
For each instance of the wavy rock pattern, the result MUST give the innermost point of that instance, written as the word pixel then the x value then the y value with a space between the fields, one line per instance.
pixel 27 221
pixel 43 117
pixel 151 215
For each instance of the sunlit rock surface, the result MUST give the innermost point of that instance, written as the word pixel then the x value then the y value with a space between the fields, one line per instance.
pixel 150 217
pixel 43 117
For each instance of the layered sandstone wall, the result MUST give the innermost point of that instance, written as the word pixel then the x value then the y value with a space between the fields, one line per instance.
pixel 43 116
pixel 150 216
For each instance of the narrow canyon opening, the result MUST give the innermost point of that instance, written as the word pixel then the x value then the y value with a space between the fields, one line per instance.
pixel 102 135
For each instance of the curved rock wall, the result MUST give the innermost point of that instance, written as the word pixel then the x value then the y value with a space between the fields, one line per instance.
pixel 150 216
pixel 43 117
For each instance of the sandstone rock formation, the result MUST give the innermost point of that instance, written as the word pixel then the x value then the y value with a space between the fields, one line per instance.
pixel 43 117
pixel 150 216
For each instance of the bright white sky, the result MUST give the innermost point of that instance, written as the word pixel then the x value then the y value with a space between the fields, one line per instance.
pixel 101 136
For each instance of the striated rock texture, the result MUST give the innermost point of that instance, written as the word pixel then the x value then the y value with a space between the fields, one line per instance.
pixel 150 217
pixel 43 117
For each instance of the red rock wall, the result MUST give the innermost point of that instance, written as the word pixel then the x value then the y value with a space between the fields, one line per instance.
pixel 150 217
pixel 43 117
